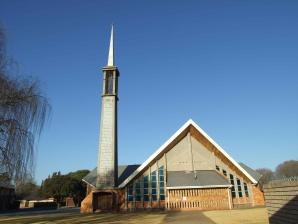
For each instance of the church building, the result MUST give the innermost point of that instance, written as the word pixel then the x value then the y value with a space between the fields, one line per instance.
pixel 190 171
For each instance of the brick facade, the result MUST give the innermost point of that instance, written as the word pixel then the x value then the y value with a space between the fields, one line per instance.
pixel 103 200
pixel 259 199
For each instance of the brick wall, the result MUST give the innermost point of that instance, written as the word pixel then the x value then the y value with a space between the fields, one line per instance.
pixel 281 199
pixel 198 199
pixel 89 204
pixel 258 196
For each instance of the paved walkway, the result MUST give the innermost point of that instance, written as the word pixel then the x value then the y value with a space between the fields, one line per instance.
pixel 243 216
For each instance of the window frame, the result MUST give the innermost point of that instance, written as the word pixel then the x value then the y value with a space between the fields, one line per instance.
pixel 246 189
pixel 239 187
pixel 130 193
pixel 153 186
pixel 232 181
pixel 161 180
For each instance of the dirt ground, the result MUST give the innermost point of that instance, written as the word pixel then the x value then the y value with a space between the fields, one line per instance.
pixel 243 216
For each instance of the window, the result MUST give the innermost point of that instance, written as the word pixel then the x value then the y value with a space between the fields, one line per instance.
pixel 109 82
pixel 146 188
pixel 153 186
pixel 138 190
pixel 239 188
pixel 161 183
pixel 245 189
pixel 217 168
pixel 224 172
pixel 233 187
pixel 130 192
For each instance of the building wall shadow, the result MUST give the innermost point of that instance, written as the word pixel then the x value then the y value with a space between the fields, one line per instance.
pixel 186 217
pixel 286 214
pixel 281 197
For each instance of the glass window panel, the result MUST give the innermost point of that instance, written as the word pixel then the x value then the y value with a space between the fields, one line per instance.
pixel 162 191
pixel 161 183
pixel 130 193
pixel 153 186
pixel 154 197
pixel 246 189
pixel 146 197
pixel 138 189
pixel 239 188
pixel 146 188
pixel 233 187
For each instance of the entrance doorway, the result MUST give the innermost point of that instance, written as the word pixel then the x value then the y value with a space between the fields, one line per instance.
pixel 104 201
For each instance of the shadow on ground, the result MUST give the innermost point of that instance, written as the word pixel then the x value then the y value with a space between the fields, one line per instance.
pixel 187 217
pixel 73 216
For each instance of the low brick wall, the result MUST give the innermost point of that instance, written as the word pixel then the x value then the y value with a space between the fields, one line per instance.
pixel 281 199
pixel 199 199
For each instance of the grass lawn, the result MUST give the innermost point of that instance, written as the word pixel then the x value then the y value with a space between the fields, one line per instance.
pixel 243 216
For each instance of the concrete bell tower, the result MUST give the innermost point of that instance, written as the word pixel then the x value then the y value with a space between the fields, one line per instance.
pixel 107 166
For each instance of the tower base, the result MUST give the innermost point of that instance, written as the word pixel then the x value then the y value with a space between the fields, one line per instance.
pixel 106 200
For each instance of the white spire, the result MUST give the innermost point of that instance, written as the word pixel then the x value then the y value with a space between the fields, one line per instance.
pixel 111 49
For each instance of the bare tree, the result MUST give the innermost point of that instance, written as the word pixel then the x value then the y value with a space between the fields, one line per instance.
pixel 267 175
pixel 23 111
pixel 287 169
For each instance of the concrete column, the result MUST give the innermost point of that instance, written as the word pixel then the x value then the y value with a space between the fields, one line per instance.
pixel 165 176
pixel 230 198
pixel 114 82
pixel 150 188
pixel 191 153
pixel 251 194
pixel 157 184
pixel 126 195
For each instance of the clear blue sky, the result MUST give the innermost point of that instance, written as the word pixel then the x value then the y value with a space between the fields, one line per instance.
pixel 231 66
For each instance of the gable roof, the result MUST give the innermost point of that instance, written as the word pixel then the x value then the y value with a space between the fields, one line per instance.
pixel 197 179
pixel 123 172
pixel 257 176
pixel 162 148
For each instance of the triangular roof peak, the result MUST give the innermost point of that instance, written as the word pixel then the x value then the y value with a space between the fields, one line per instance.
pixel 163 147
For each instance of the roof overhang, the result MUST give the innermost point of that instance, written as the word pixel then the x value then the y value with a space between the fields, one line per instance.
pixel 162 148
pixel 88 183
pixel 199 187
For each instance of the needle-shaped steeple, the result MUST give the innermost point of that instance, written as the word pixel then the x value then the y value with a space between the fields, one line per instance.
pixel 111 49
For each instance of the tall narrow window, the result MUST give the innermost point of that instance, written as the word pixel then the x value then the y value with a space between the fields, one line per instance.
pixel 239 188
pixel 245 189
pixel 233 186
pixel 138 190
pixel 130 192
pixel 109 82
pixel 153 186
pixel 217 168
pixel 161 183
pixel 146 188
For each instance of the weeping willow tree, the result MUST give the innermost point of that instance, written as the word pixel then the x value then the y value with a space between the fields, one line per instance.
pixel 23 111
